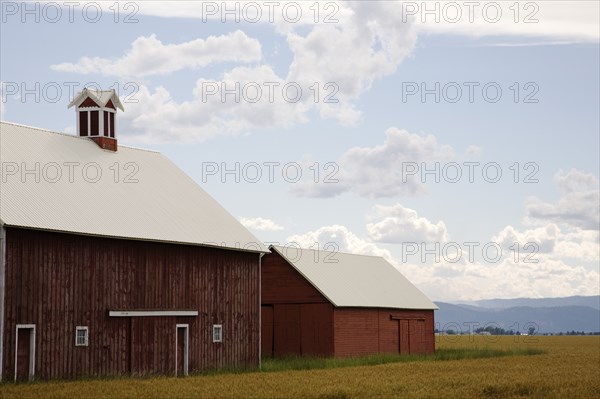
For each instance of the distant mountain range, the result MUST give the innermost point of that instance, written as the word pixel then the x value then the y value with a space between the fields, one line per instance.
pixel 547 315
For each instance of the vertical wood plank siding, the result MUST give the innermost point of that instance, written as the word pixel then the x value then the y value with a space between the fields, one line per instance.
pixel 281 283
pixel 60 281
pixel 298 318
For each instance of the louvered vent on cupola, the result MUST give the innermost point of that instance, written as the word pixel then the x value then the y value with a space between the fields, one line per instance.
pixel 96 112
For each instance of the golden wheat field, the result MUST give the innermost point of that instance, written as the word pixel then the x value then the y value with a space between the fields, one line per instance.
pixel 568 368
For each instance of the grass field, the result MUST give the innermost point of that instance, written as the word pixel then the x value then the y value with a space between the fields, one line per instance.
pixel 464 367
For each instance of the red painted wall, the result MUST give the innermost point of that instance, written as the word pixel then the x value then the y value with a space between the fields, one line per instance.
pixel 298 319
pixel 362 331
pixel 60 281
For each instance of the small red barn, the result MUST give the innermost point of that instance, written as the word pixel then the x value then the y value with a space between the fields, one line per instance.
pixel 114 261
pixel 336 304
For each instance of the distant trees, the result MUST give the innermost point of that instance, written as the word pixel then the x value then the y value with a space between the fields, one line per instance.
pixel 492 330
pixel 495 331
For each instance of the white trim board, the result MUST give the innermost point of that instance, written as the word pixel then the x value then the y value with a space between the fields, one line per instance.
pixel 186 340
pixel 31 349
pixel 151 313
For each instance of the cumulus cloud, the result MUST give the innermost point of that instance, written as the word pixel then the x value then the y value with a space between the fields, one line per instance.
pixel 343 240
pixel 149 56
pixel 568 243
pixel 577 207
pixel 260 224
pixel 319 72
pixel 473 151
pixel 544 238
pixel 579 244
pixel 397 224
pixel 505 279
pixel 554 21
pixel 371 36
pixel 156 117
pixel 385 170
pixel 468 279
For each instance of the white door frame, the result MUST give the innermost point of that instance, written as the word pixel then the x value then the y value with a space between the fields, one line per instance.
pixel 186 340
pixel 31 348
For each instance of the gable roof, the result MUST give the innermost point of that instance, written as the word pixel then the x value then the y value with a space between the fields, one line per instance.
pixel 349 280
pixel 100 97
pixel 49 182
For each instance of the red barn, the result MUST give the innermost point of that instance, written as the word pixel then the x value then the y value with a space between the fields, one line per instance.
pixel 335 304
pixel 114 261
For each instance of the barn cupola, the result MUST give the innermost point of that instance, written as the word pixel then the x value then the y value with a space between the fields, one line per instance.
pixel 96 116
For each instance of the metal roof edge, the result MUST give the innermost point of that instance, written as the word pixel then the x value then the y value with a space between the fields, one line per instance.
pixel 79 233
pixel 385 307
pixel 435 307
pixel 339 252
pixel 76 137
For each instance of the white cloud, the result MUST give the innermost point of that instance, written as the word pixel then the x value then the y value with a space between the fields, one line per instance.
pixel 384 170
pixel 397 224
pixel 156 117
pixel 577 207
pixel 579 244
pixel 342 238
pixel 329 84
pixel 371 36
pixel 505 279
pixel 575 21
pixel 473 151
pixel 550 240
pixel 260 224
pixel 470 280
pixel 149 56
pixel 544 238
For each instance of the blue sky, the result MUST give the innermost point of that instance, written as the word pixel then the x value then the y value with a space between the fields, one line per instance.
pixel 371 54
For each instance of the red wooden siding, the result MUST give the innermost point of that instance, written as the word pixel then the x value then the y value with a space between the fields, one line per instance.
pixel 266 330
pixel 281 283
pixel 298 329
pixel 297 318
pixel 88 102
pixel 60 281
pixel 317 329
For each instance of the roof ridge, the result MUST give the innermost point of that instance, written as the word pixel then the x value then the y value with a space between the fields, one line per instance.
pixel 74 136
pixel 324 250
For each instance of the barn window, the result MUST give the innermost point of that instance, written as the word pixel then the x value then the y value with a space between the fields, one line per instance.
pixel 83 123
pixel 81 336
pixel 105 123
pixel 94 123
pixel 217 333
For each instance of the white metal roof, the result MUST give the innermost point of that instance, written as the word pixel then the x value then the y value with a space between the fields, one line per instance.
pixel 101 97
pixel 349 280
pixel 160 203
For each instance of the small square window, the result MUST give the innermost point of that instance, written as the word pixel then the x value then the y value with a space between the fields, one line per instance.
pixel 217 333
pixel 81 336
